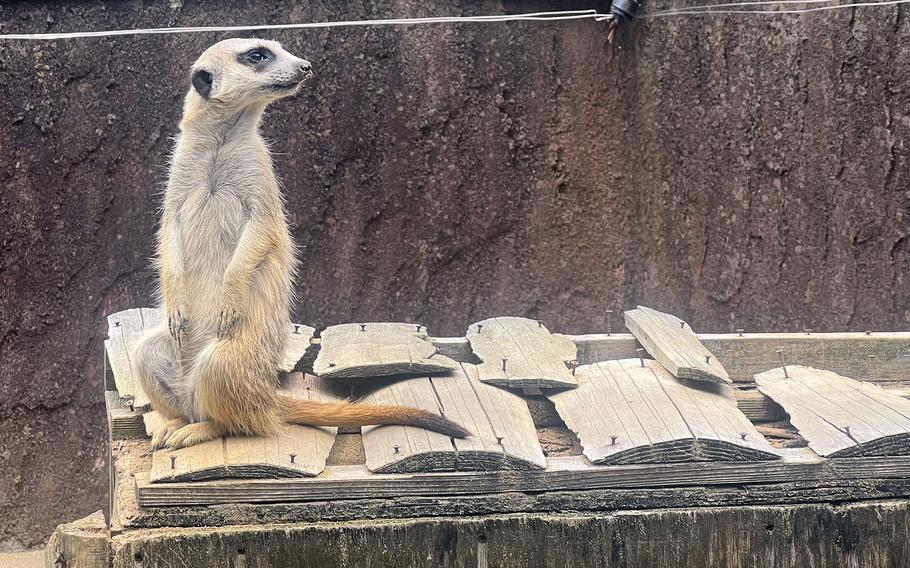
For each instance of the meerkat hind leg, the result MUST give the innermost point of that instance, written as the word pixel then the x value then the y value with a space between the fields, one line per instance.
pixel 193 434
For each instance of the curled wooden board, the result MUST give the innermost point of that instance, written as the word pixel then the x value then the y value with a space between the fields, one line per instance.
pixel 296 451
pixel 840 416
pixel 669 340
pixel 124 329
pixel 624 412
pixel 504 436
pixel 360 350
pixel 533 356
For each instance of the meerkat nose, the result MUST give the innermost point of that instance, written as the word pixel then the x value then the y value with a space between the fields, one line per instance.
pixel 306 67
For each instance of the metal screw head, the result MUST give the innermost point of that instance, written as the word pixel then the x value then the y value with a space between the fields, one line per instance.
pixel 173 461
pixel 682 325
pixel 479 327
pixel 707 359
pixel 396 447
pixel 641 355
pixel 418 327
pixel 499 439
pixel 539 323
pixel 293 457
pixel 807 331
pixel 868 333
pixel 613 439
pixel 743 435
pixel 297 329
pixel 740 331
pixel 504 361
pixel 573 364
pixel 363 327
pixel 847 429
pixel 116 324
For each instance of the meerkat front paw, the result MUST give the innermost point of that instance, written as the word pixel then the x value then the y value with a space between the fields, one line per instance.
pixel 227 321
pixel 176 324
pixel 193 434
pixel 163 433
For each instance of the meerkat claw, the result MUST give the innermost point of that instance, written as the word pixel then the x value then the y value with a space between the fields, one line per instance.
pixel 162 434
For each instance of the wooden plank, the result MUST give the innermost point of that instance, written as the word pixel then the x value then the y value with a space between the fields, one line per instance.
pixel 745 355
pixel 798 465
pixel 124 422
pixel 124 328
pixel 85 543
pixel 669 340
pixel 625 412
pixel 295 451
pixel 299 338
pixel 521 353
pixel 840 416
pixel 504 436
pixel 376 350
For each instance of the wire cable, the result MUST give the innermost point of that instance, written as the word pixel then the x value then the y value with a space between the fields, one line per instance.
pixel 528 17
pixel 704 11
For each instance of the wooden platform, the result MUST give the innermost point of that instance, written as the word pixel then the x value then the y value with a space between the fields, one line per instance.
pixel 526 463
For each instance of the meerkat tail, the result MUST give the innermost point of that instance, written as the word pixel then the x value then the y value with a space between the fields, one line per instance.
pixel 344 413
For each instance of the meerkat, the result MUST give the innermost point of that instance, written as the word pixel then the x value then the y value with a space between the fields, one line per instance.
pixel 226 262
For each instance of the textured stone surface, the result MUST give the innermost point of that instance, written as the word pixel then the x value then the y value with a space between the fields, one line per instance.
pixel 736 172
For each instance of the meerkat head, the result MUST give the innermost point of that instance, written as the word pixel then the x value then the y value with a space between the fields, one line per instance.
pixel 235 73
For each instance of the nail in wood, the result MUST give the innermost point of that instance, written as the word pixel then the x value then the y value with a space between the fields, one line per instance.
pixel 780 355
pixel 479 327
pixel 613 440
pixel 868 333
pixel 682 325
pixel 641 356
pixel 740 332
pixel 707 359
pixel 609 322
pixel 743 435
pixel 363 327
pixel 504 360
pixel 297 329
pixel 293 457
pixel 396 447
pixel 573 364
pixel 173 462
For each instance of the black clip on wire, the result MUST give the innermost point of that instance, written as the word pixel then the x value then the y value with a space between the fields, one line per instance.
pixel 624 9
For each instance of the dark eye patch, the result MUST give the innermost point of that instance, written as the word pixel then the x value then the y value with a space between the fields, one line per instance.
pixel 256 57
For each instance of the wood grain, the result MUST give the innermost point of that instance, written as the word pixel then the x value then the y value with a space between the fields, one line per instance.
pixel 672 342
pixel 533 356
pixel 625 412
pixel 376 350
pixel 839 416
pixel 504 436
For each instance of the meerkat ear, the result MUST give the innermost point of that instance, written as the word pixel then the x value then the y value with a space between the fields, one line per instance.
pixel 202 82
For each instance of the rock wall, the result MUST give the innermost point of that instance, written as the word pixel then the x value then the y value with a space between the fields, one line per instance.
pixel 740 172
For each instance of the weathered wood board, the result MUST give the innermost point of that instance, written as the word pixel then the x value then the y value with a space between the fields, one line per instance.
pixel 561 474
pixel 124 328
pixel 504 436
pixel 297 451
pixel 519 352
pixel 357 350
pixel 879 355
pixel 298 342
pixel 625 413
pixel 839 416
pixel 669 340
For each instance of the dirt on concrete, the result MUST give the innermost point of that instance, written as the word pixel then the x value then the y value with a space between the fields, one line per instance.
pixel 741 173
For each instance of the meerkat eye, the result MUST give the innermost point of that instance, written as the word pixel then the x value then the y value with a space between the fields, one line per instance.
pixel 256 56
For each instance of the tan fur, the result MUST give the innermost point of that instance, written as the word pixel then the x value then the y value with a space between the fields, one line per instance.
pixel 227 263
